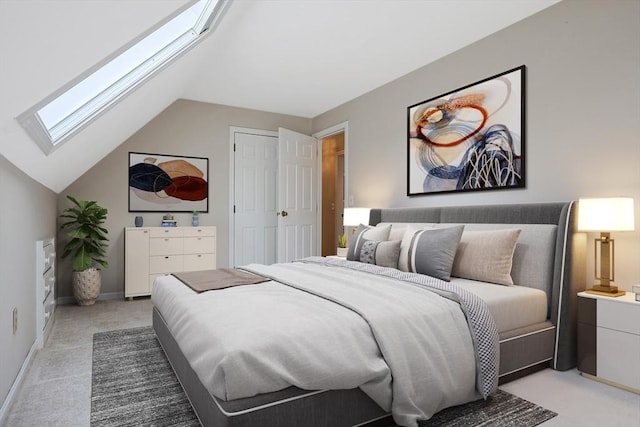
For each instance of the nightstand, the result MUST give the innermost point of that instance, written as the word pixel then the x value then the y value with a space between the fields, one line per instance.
pixel 336 257
pixel 609 339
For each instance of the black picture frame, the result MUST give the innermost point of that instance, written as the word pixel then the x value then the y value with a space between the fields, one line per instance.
pixel 168 183
pixel 469 139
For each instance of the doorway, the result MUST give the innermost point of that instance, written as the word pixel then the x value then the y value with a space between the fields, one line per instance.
pixel 273 196
pixel 333 191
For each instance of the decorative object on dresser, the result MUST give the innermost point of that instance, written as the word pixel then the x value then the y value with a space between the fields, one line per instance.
pixel 636 290
pixel 138 221
pixel 194 219
pixel 88 242
pixel 469 139
pixel 45 288
pixel 609 339
pixel 605 215
pixel 156 251
pixel 162 182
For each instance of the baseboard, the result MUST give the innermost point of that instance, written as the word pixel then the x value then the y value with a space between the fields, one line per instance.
pixel 104 296
pixel 6 405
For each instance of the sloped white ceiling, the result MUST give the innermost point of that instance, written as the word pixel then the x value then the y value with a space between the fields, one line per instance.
pixel 298 57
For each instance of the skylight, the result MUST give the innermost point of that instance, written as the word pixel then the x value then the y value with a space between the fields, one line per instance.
pixel 55 120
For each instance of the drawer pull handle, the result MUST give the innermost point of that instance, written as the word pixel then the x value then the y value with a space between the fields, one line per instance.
pixel 199 238
pixel 166 257
pixel 166 240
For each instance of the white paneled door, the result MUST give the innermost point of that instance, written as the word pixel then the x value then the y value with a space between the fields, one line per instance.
pixel 298 183
pixel 255 198
pixel 274 197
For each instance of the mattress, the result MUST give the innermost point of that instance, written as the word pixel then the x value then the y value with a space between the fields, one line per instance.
pixel 512 307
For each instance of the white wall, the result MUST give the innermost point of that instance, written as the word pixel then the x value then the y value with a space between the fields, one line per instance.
pixel 583 115
pixel 27 214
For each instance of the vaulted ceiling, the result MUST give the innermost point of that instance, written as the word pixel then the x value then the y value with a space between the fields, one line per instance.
pixel 297 57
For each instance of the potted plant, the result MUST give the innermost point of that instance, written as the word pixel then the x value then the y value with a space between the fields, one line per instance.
pixel 88 244
pixel 342 245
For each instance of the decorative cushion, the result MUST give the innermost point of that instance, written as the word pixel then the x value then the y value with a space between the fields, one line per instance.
pixel 410 231
pixel 368 233
pixel 382 253
pixel 486 255
pixel 433 250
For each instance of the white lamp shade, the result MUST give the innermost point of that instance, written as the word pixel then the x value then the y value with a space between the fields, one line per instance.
pixel 355 216
pixel 606 214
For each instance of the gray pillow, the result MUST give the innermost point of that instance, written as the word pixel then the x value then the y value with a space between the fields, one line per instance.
pixel 368 233
pixel 384 254
pixel 433 250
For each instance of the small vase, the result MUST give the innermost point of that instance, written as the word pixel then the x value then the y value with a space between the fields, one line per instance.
pixel 138 221
pixel 194 220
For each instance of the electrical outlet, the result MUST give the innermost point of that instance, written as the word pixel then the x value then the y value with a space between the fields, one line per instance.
pixel 15 320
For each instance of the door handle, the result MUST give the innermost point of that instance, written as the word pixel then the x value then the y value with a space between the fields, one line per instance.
pixel 283 213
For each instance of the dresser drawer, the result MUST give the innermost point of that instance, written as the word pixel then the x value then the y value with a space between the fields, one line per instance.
pixel 199 262
pixel 165 246
pixel 200 231
pixel 165 264
pixel 166 231
pixel 199 245
pixel 619 316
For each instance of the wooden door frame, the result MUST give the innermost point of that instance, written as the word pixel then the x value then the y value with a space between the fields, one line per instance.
pixel 320 135
pixel 232 184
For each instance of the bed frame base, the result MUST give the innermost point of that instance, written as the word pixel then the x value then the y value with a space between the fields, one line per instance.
pixel 289 407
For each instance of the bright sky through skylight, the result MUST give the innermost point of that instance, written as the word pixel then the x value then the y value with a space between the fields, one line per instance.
pixel 110 81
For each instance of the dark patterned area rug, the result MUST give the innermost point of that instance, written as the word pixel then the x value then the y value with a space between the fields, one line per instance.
pixel 133 384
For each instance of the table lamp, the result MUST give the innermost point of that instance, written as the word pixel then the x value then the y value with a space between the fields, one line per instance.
pixel 353 217
pixel 605 215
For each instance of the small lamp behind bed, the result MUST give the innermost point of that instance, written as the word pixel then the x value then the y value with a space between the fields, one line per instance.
pixel 605 215
pixel 353 217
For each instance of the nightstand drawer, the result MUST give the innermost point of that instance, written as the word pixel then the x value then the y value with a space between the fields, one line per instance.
pixel 618 356
pixel 619 316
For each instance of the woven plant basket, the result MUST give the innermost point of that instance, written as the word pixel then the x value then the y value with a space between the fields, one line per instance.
pixel 86 286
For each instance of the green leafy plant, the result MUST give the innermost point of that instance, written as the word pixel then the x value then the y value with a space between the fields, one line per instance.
pixel 342 240
pixel 88 239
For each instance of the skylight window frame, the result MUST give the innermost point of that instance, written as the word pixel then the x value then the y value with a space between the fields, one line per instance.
pixel 51 138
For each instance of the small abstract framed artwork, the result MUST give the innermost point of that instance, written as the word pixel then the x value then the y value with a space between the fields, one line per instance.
pixel 469 139
pixel 166 183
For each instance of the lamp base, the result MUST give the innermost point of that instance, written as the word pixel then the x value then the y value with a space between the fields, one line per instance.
pixel 608 291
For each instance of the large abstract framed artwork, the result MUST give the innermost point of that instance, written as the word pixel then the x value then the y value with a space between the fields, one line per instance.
pixel 469 139
pixel 166 183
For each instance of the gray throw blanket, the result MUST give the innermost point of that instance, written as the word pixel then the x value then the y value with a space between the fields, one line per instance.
pixel 208 280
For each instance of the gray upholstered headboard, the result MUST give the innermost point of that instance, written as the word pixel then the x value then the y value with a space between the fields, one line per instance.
pixel 568 271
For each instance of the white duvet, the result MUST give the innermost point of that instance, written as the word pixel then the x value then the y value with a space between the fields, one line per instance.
pixel 409 349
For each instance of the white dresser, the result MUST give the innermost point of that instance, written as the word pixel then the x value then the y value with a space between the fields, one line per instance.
pixel 155 251
pixel 609 339
pixel 45 288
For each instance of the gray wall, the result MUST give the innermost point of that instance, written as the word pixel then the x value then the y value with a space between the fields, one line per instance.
pixel 27 214
pixel 186 128
pixel 583 115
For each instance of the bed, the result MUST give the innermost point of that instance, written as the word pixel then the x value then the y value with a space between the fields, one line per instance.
pixel 532 322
